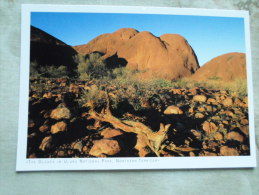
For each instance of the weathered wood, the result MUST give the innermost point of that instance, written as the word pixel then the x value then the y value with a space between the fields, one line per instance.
pixel 145 136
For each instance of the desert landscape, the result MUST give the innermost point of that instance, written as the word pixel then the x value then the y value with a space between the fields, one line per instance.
pixel 132 94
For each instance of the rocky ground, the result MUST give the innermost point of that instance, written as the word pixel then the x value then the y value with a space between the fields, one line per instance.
pixel 179 121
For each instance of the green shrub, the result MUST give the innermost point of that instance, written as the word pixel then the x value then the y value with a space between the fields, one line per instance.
pixel 92 65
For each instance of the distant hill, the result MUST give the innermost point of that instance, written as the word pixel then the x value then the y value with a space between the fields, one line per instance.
pixel 227 67
pixel 47 50
pixel 168 56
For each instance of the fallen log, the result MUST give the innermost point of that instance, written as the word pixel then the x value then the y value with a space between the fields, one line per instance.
pixel 145 136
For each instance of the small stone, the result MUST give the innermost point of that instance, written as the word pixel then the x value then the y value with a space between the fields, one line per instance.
pixel 176 91
pixel 206 153
pixel 44 128
pixel 226 151
pixel 228 102
pixel 209 127
pixel 58 127
pixel 200 98
pixel 244 122
pixel 211 101
pixel 46 143
pixel 209 108
pixel 191 110
pixel 61 153
pixel 109 133
pixel 196 133
pixel 218 136
pixel 173 110
pixel 105 147
pixel 31 123
pixel 245 147
pixel 32 155
pixel 199 115
pixel 192 154
pixel 233 135
pixel 201 109
pixel 245 129
pixel 194 91
pixel 245 101
pixel 60 113
pixel 78 146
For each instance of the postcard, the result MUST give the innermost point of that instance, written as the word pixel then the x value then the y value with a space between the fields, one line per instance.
pixel 115 87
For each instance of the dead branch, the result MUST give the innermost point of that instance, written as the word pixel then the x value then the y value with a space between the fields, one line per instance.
pixel 145 136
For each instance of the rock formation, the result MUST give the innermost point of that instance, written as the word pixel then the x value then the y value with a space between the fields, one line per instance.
pixel 227 67
pixel 47 50
pixel 168 56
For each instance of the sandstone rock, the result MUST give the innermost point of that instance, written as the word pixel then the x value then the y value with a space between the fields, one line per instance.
pixel 200 98
pixel 226 151
pixel 245 147
pixel 176 91
pixel 31 123
pixel 233 135
pixel 228 102
pixel 78 146
pixel 191 154
pixel 209 127
pixel 196 133
pixel 194 91
pixel 44 128
pixel 245 99
pixel 143 50
pixel 47 95
pixel 227 67
pixel 58 127
pixel 218 136
pixel 61 153
pixel 244 122
pixel 32 155
pixel 109 133
pixel 211 100
pixel 46 143
pixel 199 115
pixel 60 113
pixel 209 108
pixel 206 153
pixel 191 110
pixel 105 147
pixel 245 129
pixel 173 110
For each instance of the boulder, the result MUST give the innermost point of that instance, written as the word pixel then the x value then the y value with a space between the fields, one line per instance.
pixel 209 127
pixel 105 147
pixel 233 135
pixel 226 151
pixel 169 56
pixel 60 113
pixel 58 127
pixel 228 102
pixel 173 110
pixel 199 98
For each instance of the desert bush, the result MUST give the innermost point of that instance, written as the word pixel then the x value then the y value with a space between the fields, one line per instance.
pixel 91 66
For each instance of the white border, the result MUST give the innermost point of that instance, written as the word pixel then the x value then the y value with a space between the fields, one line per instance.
pixel 24 164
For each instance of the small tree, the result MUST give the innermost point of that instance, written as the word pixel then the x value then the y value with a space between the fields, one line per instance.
pixel 91 66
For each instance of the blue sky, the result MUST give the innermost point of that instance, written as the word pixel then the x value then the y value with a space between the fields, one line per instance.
pixel 208 36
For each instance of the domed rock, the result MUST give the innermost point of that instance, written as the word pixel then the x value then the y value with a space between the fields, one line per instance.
pixel 227 67
pixel 168 56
